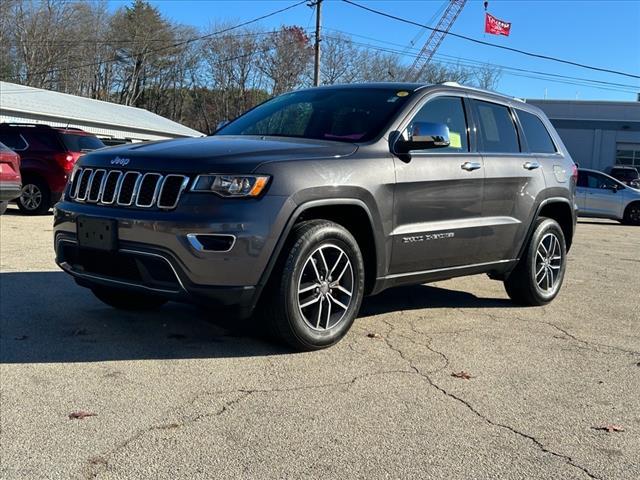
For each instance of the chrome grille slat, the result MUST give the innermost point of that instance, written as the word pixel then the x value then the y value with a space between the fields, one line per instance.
pixel 97 185
pixel 108 197
pixel 83 184
pixel 127 188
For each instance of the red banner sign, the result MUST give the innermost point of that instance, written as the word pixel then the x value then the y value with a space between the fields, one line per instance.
pixel 496 26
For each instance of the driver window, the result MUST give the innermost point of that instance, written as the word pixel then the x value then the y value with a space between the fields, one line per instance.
pixel 599 181
pixel 450 111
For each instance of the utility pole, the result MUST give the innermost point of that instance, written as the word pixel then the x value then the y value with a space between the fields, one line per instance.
pixel 316 47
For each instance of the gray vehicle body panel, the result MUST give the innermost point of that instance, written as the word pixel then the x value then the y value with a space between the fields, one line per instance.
pixel 430 219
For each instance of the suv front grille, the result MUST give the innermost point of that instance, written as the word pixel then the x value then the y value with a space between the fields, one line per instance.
pixel 125 189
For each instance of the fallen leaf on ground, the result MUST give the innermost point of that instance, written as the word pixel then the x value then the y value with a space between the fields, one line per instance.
pixel 610 428
pixel 81 414
pixel 374 335
pixel 461 374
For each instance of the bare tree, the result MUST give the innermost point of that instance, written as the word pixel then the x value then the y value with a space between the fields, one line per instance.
pixel 285 57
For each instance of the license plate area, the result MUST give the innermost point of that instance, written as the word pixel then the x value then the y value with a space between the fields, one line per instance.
pixel 97 233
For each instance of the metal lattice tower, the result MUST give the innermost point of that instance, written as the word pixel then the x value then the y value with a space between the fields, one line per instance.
pixel 432 44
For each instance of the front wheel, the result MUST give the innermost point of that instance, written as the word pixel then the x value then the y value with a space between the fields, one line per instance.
pixel 537 278
pixel 125 300
pixel 3 207
pixel 632 214
pixel 318 291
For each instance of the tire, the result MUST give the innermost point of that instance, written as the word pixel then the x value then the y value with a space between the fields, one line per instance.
pixel 3 207
pixel 35 198
pixel 632 214
pixel 537 278
pixel 125 300
pixel 305 309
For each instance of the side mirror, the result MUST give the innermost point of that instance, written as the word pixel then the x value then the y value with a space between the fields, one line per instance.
pixel 422 136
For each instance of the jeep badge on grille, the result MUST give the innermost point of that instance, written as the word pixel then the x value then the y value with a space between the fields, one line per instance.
pixel 120 161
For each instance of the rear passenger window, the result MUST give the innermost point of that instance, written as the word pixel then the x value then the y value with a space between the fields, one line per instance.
pixel 496 128
pixel 13 140
pixel 536 133
pixel 41 141
pixel 450 111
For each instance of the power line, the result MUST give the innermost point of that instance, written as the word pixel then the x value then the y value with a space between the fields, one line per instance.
pixel 502 47
pixel 526 73
pixel 407 52
pixel 174 45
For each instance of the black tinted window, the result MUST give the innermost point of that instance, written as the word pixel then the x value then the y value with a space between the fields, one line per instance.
pixel 81 143
pixel 536 133
pixel 41 139
pixel 343 114
pixel 496 128
pixel 449 111
pixel 13 140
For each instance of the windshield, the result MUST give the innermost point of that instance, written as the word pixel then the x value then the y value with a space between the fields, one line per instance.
pixel 81 143
pixel 342 114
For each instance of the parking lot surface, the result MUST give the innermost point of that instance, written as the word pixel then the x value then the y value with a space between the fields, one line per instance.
pixel 182 393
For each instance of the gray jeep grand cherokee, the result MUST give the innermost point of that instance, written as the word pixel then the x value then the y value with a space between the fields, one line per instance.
pixel 300 207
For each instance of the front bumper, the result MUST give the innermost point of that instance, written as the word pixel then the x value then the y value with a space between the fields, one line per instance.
pixel 155 254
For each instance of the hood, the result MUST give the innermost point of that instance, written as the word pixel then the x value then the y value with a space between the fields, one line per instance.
pixel 217 154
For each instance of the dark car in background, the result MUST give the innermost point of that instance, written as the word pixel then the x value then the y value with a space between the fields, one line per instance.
pixel 10 183
pixel 626 174
pixel 48 156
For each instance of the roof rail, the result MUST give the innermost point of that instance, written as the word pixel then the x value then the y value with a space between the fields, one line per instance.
pixel 14 124
pixel 483 90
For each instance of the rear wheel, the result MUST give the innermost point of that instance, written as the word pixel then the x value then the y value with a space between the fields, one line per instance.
pixel 35 198
pixel 632 214
pixel 125 300
pixel 317 293
pixel 3 207
pixel 537 278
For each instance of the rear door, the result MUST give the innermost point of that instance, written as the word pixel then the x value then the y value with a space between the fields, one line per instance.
pixel 438 195
pixel 513 180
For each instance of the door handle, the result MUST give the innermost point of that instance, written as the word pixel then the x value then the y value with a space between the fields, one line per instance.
pixel 531 165
pixel 470 166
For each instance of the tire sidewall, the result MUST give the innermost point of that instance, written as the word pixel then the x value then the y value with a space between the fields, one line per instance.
pixel 546 226
pixel 45 201
pixel 627 216
pixel 328 234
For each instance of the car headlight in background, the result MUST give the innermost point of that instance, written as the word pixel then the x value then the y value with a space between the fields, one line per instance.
pixel 231 185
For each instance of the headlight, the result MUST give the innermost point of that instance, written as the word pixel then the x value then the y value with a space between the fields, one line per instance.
pixel 231 185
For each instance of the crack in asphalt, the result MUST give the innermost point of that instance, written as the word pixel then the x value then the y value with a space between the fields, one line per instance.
pixel 567 459
pixel 592 345
pixel 98 464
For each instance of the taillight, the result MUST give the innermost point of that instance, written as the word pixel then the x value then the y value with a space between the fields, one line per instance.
pixel 67 160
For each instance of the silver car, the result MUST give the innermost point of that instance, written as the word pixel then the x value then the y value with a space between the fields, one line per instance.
pixel 602 196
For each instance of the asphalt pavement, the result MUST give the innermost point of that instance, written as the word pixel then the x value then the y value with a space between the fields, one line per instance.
pixel 183 393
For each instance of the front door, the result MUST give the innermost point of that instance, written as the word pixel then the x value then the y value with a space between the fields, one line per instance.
pixel 601 196
pixel 438 196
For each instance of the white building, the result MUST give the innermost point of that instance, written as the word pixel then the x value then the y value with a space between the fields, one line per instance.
pixel 111 122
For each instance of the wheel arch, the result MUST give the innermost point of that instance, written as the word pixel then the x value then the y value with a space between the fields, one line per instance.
pixel 559 209
pixel 351 213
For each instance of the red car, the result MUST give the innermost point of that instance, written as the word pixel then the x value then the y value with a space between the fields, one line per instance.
pixel 10 183
pixel 48 157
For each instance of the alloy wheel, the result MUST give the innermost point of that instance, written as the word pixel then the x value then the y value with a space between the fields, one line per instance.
pixel 325 287
pixel 31 196
pixel 634 214
pixel 548 263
